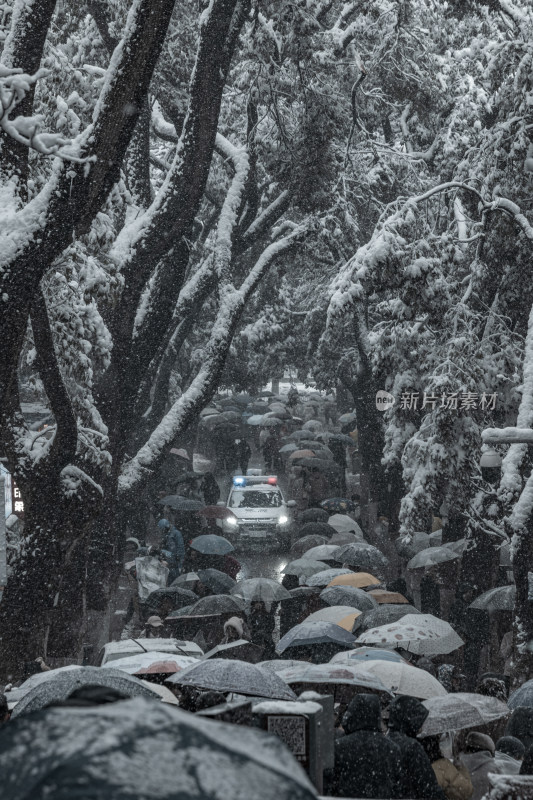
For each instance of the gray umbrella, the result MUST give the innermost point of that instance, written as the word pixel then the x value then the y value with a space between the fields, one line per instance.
pixel 305 543
pixel 348 596
pixel 58 689
pixel 266 590
pixel 502 598
pixel 144 749
pixel 363 555
pixel 212 604
pixel 225 675
pixel 216 581
pixel 385 613
pixel 432 556
pixel 325 576
pixel 179 503
pixel 316 529
pixel 409 547
pixel 312 633
pixel 523 696
pixel 314 515
pixel 177 594
pixel 211 545
pixel 460 710
pixel 240 649
pixel 304 567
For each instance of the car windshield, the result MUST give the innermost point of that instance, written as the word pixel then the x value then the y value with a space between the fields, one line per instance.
pixel 251 499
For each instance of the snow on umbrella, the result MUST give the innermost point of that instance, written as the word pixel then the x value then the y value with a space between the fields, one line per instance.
pixel 362 555
pixel 458 546
pixel 255 419
pixel 342 523
pixel 323 552
pixel 357 579
pixel 367 654
pixel 264 589
pixel 279 664
pixel 460 710
pixel 523 696
pixel 316 529
pixel 422 634
pixel 435 538
pixel 335 614
pixel 299 435
pixel 345 538
pixel 215 512
pixel 305 543
pixel 241 677
pixel 338 504
pixel 314 515
pixel 240 649
pixel 311 633
pixel 62 685
pixel 390 598
pixel 334 674
pixel 325 577
pixel 153 663
pixel 383 615
pixel 176 594
pixel 179 503
pixel 216 604
pixel 270 422
pixel 14 695
pixel 288 448
pixel 304 567
pixel 312 425
pixel 211 544
pixel 348 596
pixel 156 752
pixel 502 598
pixel 216 581
pixel 408 548
pixel 320 463
pixel 186 579
pixel 344 419
pixel 432 556
pixel 403 678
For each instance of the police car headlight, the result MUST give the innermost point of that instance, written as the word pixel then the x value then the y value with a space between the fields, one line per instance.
pixel 231 520
pixel 283 520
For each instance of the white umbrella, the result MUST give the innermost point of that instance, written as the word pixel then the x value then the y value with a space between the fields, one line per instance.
pixel 153 662
pixel 344 537
pixel 422 634
pixel 399 677
pixel 460 710
pixel 345 524
pixel 227 675
pixel 323 552
pixel 502 598
pixel 264 589
pixel 325 577
pixel 347 674
pixel 435 538
pixel 432 556
pixel 304 566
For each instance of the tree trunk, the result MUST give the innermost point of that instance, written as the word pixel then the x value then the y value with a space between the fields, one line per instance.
pixel 522 558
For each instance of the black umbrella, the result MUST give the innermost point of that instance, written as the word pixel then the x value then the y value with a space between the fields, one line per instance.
pixel 143 748
pixel 179 503
pixel 61 686
pixel 217 604
pixel 241 649
pixel 242 399
pixel 316 529
pixel 179 597
pixel 216 581
pixel 383 615
pixel 314 515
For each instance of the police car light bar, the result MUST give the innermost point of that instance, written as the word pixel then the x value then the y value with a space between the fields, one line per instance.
pixel 239 480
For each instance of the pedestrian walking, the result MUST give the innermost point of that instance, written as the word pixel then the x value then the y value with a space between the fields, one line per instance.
pixel 243 454
pixel 317 487
pixel 261 624
pixel 367 763
pixel 453 778
pixel 173 548
pixel 478 758
pixel 210 489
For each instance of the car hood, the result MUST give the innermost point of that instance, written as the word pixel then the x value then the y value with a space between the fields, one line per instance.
pixel 259 513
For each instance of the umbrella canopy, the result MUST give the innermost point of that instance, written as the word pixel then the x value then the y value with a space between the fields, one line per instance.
pixel 344 419
pixel 314 515
pixel 288 448
pixel 523 696
pixel 342 523
pixel 408 548
pixel 301 454
pixel 346 537
pixel 316 529
pixel 338 505
pixel 325 577
pixel 342 438
pixel 215 604
pixel 255 419
pixel 320 463
pixel 243 398
pixel 186 579
pixel 402 678
pixel 431 557
pixel 305 543
pixel 362 555
pixel 304 567
pixel 344 616
pixel 298 435
pixel 216 581
pixel 209 411
pixel 348 596
pixel 258 408
pixel 383 615
pixel 153 663
pixel 144 748
pixel 391 598
pixel 435 538
pixel 324 552
pixel 226 675
pixel 454 712
pixel 211 544
pixel 502 598
pixel 311 633
pixel 270 422
pixel 457 547
pixel 241 649
pixel 179 503
pixel 62 685
pixel 215 512
pixel 177 594
pixel 264 589
pixel 367 654
pixel 357 579
pixel 312 425
pixel 266 393
pixel 279 664
pixel 422 634
pixel 344 674
pixel 180 452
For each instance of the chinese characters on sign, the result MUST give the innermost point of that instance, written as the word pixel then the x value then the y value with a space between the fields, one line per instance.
pixel 453 401
pixel 18 502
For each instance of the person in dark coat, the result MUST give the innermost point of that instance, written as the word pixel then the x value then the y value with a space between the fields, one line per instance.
pixel 367 763
pixel 261 624
pixel 243 454
pixel 472 625
pixel 173 548
pixel 521 725
pixel 406 717
pixel 526 767
pixel 210 490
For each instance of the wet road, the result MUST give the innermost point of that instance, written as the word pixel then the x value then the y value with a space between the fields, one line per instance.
pixel 261 563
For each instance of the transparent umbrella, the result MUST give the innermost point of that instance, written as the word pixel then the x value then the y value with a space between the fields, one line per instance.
pixel 454 712
pixel 502 598
pixel 431 557
pixel 264 589
pixel 304 567
pixel 325 577
pixel 305 543
pixel 323 552
pixel 362 555
pixel 403 678
pixel 241 677
pixel 348 596
pixel 311 633
pixel 383 615
pixel 349 675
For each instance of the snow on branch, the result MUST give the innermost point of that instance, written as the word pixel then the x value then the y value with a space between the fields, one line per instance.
pixel 232 203
pixel 507 436
pixel 14 85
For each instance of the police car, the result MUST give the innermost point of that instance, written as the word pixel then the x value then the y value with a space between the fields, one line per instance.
pixel 261 513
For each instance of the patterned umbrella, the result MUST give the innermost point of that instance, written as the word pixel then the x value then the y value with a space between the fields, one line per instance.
pixel 422 634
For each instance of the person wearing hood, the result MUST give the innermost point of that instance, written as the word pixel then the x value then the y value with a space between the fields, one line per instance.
pixel 173 548
pixel 235 629
pixel 520 725
pixel 367 763
pixel 452 777
pixel 478 758
pixel 509 755
pixel 406 717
